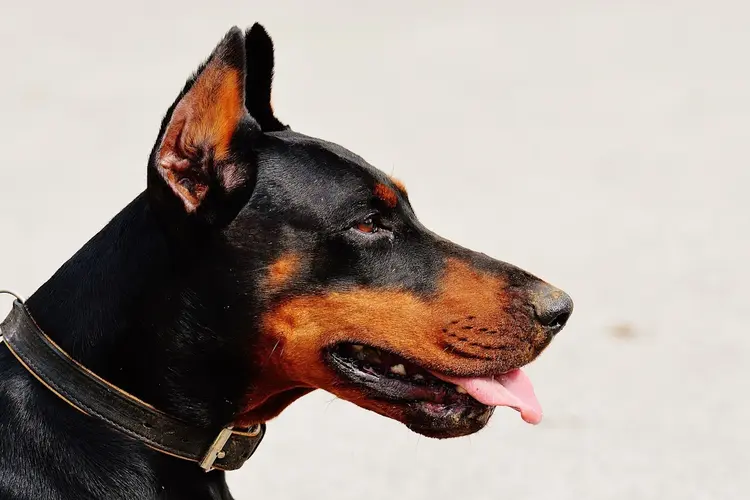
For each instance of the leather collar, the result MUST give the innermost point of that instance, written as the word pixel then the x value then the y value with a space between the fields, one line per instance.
pixel 223 449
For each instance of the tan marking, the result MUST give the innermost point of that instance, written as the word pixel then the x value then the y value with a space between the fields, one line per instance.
pixel 386 195
pixel 208 114
pixel 283 270
pixel 204 121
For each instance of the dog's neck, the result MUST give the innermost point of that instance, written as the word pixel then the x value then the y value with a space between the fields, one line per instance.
pixel 122 307
pixel 93 306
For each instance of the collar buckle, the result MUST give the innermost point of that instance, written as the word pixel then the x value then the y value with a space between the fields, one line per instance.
pixel 216 451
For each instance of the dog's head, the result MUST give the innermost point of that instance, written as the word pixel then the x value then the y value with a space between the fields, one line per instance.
pixel 320 273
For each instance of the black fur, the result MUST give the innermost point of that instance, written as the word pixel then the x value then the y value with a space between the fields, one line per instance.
pixel 259 50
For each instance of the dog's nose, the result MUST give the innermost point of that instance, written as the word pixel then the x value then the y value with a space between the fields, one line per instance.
pixel 552 306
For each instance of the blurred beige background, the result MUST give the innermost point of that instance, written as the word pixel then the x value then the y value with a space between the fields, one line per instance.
pixel 601 145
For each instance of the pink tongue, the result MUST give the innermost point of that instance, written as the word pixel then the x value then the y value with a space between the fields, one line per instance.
pixel 511 389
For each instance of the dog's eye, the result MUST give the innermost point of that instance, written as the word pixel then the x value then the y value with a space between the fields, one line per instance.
pixel 367 225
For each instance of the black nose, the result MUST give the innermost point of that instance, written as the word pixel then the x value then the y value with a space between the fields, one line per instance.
pixel 552 306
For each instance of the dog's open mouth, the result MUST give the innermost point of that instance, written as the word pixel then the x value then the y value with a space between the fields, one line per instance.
pixel 387 376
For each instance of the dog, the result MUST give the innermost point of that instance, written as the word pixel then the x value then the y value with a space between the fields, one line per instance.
pixel 258 265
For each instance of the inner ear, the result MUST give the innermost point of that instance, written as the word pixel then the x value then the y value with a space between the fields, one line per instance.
pixel 193 156
pixel 259 80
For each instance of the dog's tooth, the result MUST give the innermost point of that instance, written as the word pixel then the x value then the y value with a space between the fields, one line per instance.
pixel 418 377
pixel 398 369
pixel 460 390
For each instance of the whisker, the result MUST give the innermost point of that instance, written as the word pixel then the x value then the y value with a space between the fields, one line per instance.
pixel 274 350
pixel 328 405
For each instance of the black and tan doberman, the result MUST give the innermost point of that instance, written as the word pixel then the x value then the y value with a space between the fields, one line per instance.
pixel 258 265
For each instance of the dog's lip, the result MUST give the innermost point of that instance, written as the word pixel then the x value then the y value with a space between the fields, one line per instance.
pixel 422 364
pixel 511 388
pixel 402 381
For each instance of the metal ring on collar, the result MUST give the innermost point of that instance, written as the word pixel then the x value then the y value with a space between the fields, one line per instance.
pixel 18 297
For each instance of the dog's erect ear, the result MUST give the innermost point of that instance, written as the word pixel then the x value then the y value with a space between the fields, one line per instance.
pixel 193 152
pixel 259 50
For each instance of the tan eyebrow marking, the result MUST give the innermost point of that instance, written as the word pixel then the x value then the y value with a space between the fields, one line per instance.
pixel 386 194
